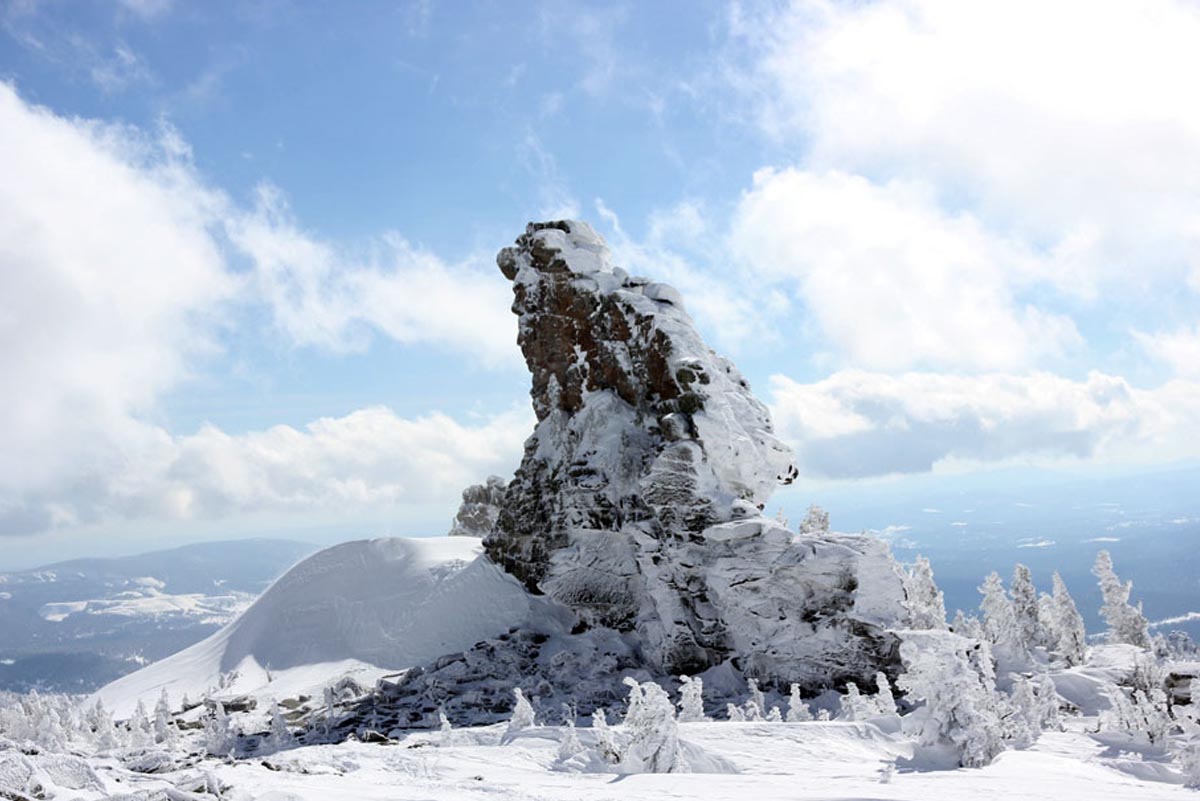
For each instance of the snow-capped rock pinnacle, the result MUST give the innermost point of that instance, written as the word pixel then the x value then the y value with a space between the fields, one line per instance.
pixel 637 501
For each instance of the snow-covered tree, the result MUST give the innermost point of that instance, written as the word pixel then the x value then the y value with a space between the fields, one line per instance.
pixel 999 621
pixel 568 742
pixel 735 713
pixel 330 699
pixel 885 700
pixel 443 721
pixel 925 602
pixel 798 711
pixel 141 731
pixel 219 738
pixel 854 706
pixel 1066 625
pixel 164 731
pixel 823 715
pixel 1188 759
pixel 691 700
pixel 959 706
pixel 653 733
pixel 606 743
pixel 815 522
pixel 522 715
pixel 1126 623
pixel 1140 713
pixel 1023 714
pixel 966 625
pixel 1025 608
pixel 775 716
pixel 280 735
pixel 756 709
pixel 1048 718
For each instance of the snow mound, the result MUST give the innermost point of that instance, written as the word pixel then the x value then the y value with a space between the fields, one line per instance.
pixel 368 606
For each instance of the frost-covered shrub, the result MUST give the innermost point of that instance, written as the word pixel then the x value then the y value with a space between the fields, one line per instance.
pixel 1022 715
pixel 653 733
pixel 959 704
pixel 691 700
pixel 775 716
pixel 815 522
pixel 1126 623
pixel 1138 714
pixel 1048 717
pixel 798 711
pixel 735 713
pixel 925 602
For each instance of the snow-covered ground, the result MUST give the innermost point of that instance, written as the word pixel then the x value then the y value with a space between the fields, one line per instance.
pixel 362 608
pixel 826 760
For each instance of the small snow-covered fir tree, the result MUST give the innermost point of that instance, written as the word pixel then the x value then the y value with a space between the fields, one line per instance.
pixel 522 715
pixel 798 710
pixel 854 706
pixel 925 602
pixel 885 700
pixel 691 700
pixel 330 699
pixel 606 743
pixel 1126 623
pixel 219 738
pixel 141 731
pixel 280 735
pixel 1066 625
pixel 775 716
pixel 1049 717
pixel 823 715
pixel 959 705
pixel 1188 759
pixel 568 742
pixel 966 625
pixel 999 621
pixel 1029 628
pixel 443 721
pixel 756 709
pixel 1022 718
pixel 735 713
pixel 653 733
pixel 164 731
pixel 815 522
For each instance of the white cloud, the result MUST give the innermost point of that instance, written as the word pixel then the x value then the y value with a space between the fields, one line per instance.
pixel 109 275
pixel 891 280
pixel 320 295
pixel 1179 349
pixel 856 424
pixel 116 272
pixel 368 459
pixel 1065 125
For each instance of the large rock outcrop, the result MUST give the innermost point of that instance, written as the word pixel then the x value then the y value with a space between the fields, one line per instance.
pixel 637 503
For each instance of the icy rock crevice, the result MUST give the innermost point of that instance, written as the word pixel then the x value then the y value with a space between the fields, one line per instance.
pixel 637 503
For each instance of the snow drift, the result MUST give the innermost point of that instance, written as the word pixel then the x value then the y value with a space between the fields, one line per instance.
pixel 368 606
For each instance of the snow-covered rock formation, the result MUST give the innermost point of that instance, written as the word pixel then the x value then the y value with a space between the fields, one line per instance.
pixel 637 504
pixel 480 509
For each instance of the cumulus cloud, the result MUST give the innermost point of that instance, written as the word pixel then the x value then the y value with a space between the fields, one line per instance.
pixel 1063 124
pixel 1179 349
pixel 326 296
pixel 119 266
pixel 855 423
pixel 891 280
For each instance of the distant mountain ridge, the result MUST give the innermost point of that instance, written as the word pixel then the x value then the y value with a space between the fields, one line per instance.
pixel 74 625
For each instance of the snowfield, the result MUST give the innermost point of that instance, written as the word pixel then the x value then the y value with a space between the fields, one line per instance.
pixel 363 608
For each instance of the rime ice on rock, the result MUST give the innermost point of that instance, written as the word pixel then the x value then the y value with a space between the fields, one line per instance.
pixel 637 504
pixel 480 508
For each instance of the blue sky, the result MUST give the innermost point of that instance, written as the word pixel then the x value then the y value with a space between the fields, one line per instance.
pixel 246 283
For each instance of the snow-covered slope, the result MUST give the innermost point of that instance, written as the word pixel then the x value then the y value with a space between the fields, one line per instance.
pixel 368 606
